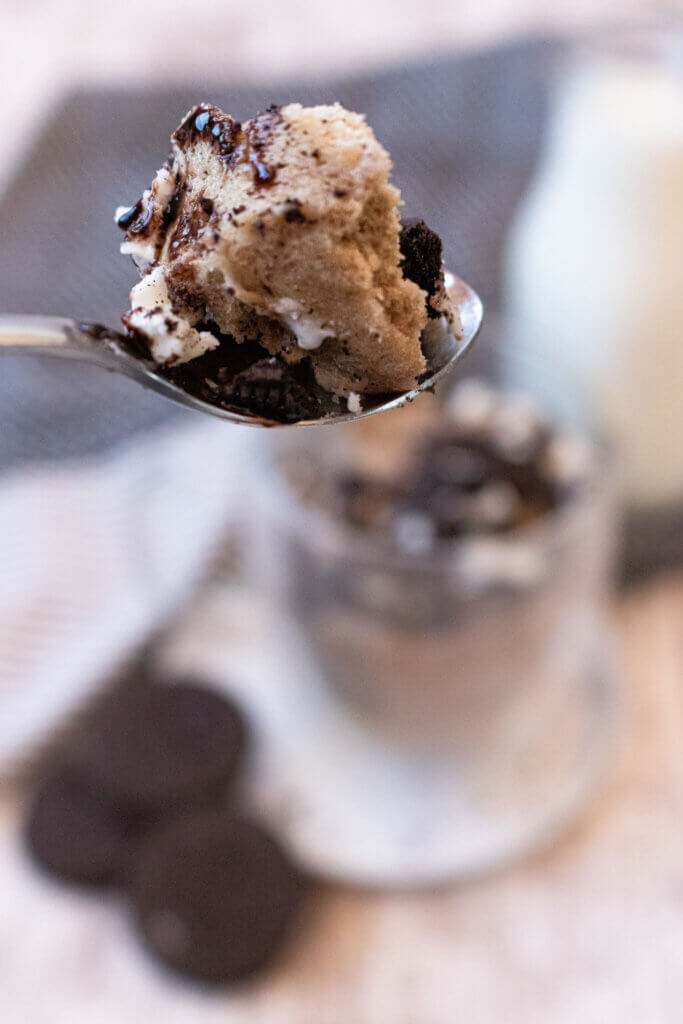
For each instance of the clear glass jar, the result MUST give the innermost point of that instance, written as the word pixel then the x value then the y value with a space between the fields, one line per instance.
pixel 436 647
pixel 479 672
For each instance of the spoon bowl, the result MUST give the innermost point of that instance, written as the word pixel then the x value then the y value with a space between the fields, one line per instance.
pixel 92 343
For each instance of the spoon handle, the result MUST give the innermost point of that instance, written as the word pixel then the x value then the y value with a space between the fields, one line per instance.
pixel 52 336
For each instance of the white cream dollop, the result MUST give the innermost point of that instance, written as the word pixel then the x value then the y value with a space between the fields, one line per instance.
pixel 309 332
pixel 354 403
pixel 150 291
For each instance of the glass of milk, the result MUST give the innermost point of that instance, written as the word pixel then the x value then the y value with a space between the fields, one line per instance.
pixel 595 257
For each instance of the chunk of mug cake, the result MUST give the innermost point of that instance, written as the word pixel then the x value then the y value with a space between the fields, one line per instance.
pixel 284 231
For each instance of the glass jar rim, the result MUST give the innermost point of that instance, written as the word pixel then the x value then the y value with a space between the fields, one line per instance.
pixel 305 520
pixel 547 531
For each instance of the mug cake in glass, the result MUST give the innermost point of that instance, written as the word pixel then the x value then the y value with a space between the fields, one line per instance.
pixel 448 560
pixel 441 691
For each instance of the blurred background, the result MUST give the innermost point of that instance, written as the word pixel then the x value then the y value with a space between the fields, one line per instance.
pixel 457 636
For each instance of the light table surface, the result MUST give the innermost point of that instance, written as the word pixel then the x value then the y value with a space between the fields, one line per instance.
pixel 588 932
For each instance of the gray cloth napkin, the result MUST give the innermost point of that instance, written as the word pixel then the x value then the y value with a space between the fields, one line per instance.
pixel 464 135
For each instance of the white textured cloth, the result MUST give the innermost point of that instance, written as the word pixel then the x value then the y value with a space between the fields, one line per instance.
pixel 97 554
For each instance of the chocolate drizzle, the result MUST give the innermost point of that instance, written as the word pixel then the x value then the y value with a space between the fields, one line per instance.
pixel 264 174
pixel 188 219
pixel 171 211
pixel 209 123
pixel 137 218
pixel 259 135
pixel 233 142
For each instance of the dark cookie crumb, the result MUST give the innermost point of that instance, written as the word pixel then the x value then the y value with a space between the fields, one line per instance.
pixel 295 216
pixel 422 256
pixel 272 389
pixel 246 378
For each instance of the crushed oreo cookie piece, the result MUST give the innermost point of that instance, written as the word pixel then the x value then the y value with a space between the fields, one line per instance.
pixel 447 460
pixel 273 389
pixel 246 378
pixel 422 258
pixel 361 500
pixel 456 482
pixel 209 376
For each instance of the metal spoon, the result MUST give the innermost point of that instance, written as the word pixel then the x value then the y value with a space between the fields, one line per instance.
pixel 68 339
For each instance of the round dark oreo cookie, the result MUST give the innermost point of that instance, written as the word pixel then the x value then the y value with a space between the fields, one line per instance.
pixel 213 895
pixel 73 833
pixel 154 747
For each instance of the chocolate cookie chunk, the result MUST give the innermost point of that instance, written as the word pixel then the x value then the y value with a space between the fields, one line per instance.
pixel 73 833
pixel 209 376
pixel 272 389
pixel 213 896
pixel 247 379
pixel 422 255
pixel 153 747
pixel 363 501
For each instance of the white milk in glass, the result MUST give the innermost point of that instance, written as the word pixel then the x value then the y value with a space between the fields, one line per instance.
pixel 594 263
